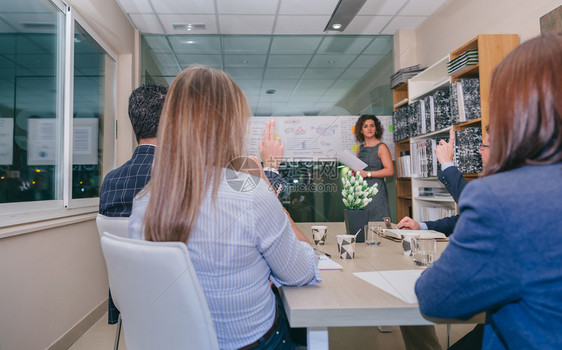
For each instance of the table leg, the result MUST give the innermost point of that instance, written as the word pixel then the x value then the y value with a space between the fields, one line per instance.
pixel 317 338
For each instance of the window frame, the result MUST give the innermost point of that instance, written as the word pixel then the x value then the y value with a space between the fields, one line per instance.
pixel 18 213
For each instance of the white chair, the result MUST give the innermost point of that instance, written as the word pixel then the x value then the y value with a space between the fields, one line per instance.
pixel 118 226
pixel 158 293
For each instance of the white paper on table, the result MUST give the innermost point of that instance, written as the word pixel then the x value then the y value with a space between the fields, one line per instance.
pixel 351 160
pixel 398 283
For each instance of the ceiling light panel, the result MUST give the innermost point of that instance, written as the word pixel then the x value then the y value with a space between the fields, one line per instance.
pixel 307 7
pixel 298 25
pixel 146 23
pixel 344 44
pixel 366 61
pixel 214 61
pixel 195 44
pixel 283 73
pixel 135 6
pixel 244 73
pixel 209 21
pixel 322 73
pixel 354 73
pixel 421 7
pixel 246 24
pixel 279 84
pixel 238 7
pixel 331 61
pixel 288 61
pixel 257 61
pixel 246 44
pixel 403 23
pixel 381 7
pixel 367 25
pixel 380 46
pixel 295 44
pixel 184 6
pixel 157 43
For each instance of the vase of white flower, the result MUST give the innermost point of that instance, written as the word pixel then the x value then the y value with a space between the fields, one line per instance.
pixel 356 195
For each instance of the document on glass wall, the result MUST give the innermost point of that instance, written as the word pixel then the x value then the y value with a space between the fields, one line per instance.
pixel 6 141
pixel 349 159
pixel 41 141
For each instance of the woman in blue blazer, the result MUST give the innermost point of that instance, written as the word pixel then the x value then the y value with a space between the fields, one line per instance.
pixel 505 255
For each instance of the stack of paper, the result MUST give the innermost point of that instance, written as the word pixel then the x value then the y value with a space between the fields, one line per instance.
pixel 325 263
pixel 463 61
pixel 399 283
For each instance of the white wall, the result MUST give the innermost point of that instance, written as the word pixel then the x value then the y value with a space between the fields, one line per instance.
pixel 459 21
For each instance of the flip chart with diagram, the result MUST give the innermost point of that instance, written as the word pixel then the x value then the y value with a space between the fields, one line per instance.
pixel 315 138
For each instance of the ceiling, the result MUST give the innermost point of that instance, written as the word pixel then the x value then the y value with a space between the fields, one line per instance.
pixel 276 50
pixel 264 44
pixel 298 17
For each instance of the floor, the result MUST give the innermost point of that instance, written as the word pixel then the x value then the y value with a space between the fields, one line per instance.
pixel 102 336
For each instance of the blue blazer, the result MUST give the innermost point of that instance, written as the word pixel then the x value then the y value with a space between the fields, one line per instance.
pixel 504 258
pixel 454 183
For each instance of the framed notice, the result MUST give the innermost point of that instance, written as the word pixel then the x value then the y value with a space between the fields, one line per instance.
pixel 6 141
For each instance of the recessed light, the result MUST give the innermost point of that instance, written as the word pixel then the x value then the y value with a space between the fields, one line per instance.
pixel 189 41
pixel 331 61
pixel 270 92
pixel 336 26
pixel 244 62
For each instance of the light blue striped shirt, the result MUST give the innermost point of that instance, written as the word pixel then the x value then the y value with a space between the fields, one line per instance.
pixel 236 246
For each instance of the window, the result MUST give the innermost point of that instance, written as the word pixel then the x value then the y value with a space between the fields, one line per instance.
pixel 57 93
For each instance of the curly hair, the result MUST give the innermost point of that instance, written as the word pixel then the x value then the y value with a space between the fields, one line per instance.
pixel 359 126
pixel 145 107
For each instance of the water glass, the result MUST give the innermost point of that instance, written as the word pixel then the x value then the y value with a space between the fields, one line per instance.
pixel 423 250
pixel 373 235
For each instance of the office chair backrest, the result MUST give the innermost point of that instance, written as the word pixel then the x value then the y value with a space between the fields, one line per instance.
pixel 115 225
pixel 159 295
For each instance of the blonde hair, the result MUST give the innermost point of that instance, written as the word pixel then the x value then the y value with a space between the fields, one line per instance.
pixel 202 129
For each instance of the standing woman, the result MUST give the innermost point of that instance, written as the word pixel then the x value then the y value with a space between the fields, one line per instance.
pixel 237 234
pixel 368 132
pixel 504 256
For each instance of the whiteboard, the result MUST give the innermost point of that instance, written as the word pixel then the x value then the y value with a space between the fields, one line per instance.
pixel 317 138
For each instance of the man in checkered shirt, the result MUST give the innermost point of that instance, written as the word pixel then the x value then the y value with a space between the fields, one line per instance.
pixel 121 185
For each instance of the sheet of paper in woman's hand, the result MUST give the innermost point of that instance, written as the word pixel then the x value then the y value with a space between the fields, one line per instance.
pixel 349 159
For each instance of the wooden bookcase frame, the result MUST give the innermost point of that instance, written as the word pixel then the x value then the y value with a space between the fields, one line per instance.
pixel 492 49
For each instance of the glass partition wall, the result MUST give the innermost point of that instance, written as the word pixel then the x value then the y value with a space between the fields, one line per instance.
pixel 290 76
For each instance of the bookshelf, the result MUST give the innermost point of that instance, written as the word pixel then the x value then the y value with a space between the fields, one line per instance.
pixel 492 48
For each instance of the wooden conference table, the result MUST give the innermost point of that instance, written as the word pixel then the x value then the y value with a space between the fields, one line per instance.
pixel 344 300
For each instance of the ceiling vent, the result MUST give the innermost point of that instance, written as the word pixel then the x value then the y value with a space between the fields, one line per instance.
pixel 189 26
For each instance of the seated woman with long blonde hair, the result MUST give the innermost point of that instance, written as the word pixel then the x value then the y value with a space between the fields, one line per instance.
pixel 236 231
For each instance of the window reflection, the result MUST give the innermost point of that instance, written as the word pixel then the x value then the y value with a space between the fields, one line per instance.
pixel 30 117
pixel 93 73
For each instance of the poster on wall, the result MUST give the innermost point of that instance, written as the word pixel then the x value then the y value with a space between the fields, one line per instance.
pixel 310 138
pixel 41 141
pixel 85 141
pixel 6 141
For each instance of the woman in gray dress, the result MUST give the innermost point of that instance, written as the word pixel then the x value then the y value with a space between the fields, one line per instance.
pixel 368 132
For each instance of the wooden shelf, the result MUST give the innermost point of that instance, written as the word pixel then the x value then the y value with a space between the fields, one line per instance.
pixel 469 124
pixel 405 197
pixel 444 131
pixel 470 72
pixel 429 80
pixel 436 199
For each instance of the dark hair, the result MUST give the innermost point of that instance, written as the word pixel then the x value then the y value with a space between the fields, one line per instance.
pixel 526 106
pixel 145 106
pixel 359 125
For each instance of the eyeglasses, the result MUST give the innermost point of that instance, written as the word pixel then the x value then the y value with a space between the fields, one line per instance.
pixel 483 146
